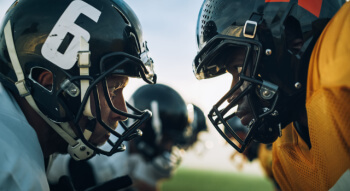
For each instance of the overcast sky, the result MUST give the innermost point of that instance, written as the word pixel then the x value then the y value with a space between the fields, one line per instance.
pixel 169 27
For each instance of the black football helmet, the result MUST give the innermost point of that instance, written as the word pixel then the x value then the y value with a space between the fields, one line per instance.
pixel 272 41
pixel 169 126
pixel 81 42
pixel 198 124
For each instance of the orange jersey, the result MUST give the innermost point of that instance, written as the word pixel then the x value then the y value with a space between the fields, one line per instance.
pixel 295 166
pixel 265 159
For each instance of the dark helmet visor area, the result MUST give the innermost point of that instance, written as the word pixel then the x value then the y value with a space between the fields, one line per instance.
pixel 250 98
pixel 114 64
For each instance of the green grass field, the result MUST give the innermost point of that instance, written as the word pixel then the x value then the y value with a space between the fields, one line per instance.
pixel 206 180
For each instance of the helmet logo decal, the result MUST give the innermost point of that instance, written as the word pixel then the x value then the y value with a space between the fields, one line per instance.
pixel 65 26
pixel 312 6
pixel 156 121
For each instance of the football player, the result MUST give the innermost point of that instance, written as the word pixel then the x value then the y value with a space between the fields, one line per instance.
pixel 158 152
pixel 290 82
pixel 63 67
pixel 153 157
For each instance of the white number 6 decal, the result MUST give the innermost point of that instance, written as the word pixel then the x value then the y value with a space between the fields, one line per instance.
pixel 64 26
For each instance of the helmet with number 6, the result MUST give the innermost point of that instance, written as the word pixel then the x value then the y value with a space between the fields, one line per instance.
pixel 81 42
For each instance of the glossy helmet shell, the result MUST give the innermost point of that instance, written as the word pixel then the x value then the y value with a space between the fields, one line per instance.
pixel 108 26
pixel 199 124
pixel 278 62
pixel 284 66
pixel 199 120
pixel 169 120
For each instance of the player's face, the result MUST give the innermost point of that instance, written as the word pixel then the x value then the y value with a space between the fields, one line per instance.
pixel 234 67
pixel 115 85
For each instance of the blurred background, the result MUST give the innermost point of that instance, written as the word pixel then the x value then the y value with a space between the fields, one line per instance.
pixel 169 27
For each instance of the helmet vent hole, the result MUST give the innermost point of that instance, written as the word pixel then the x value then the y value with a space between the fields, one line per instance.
pixel 42 77
pixel 209 12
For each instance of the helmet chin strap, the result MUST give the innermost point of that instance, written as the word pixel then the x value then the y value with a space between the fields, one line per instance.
pixel 77 149
pixel 81 151
pixel 84 65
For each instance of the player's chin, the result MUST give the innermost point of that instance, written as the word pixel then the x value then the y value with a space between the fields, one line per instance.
pixel 100 140
pixel 101 135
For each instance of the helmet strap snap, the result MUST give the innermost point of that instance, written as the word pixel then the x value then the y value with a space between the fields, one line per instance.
pixel 250 26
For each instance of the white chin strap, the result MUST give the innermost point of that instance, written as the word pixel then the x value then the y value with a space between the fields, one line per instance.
pixel 84 64
pixel 76 148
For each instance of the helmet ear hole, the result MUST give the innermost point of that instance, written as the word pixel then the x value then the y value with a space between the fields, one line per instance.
pixel 43 77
